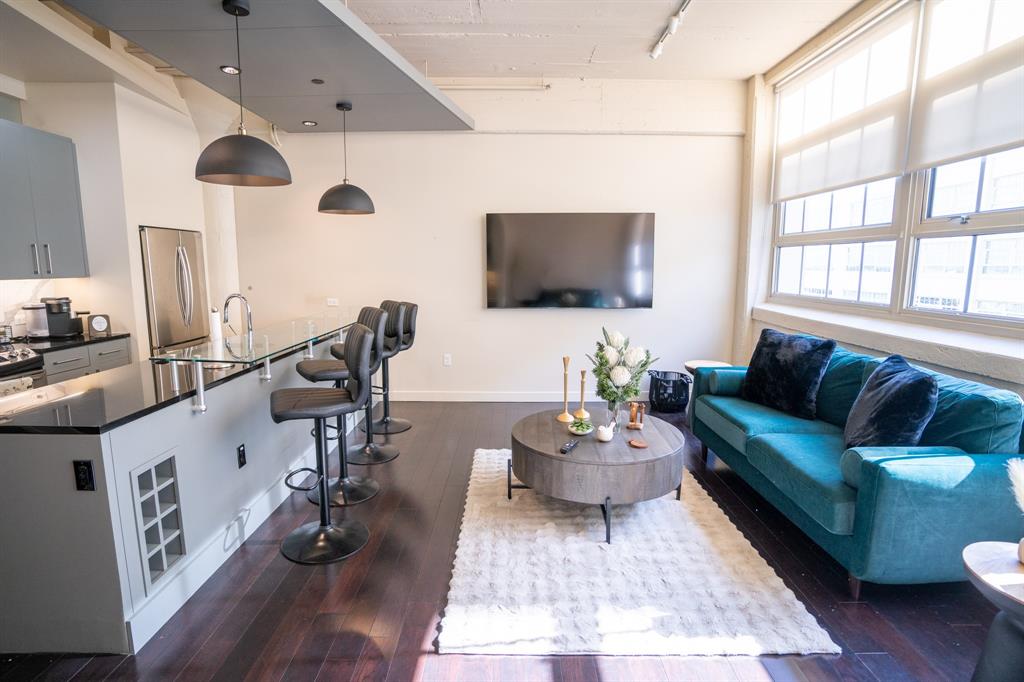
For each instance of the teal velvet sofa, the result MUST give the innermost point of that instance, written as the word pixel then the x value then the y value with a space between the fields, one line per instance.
pixel 887 514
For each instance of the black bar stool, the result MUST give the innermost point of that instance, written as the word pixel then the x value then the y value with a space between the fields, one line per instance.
pixel 371 452
pixel 388 424
pixel 324 542
pixel 347 489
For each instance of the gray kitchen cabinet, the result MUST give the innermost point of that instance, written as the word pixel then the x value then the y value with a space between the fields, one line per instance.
pixel 109 354
pixel 39 180
pixel 17 215
pixel 71 363
pixel 53 167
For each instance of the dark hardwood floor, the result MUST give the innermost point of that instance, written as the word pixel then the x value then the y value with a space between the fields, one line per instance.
pixel 374 617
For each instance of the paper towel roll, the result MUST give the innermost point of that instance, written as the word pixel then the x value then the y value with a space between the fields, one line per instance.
pixel 216 328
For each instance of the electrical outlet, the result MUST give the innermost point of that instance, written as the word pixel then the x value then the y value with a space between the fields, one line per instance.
pixel 332 303
pixel 240 452
pixel 84 477
pixel 446 360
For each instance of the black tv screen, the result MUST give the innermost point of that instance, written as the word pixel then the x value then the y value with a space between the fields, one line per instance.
pixel 570 260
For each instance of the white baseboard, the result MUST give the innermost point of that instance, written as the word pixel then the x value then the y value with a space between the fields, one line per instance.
pixel 495 396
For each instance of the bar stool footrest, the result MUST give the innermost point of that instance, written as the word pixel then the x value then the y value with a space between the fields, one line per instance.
pixel 299 488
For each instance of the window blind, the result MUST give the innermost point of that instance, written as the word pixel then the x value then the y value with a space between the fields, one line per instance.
pixel 970 86
pixel 845 120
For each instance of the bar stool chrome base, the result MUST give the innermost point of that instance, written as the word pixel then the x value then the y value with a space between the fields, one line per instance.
pixel 314 544
pixel 372 453
pixel 345 492
pixel 388 425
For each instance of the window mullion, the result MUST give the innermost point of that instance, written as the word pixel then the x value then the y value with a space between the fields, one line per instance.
pixel 970 274
pixel 906 212
pixel 860 273
pixel 981 185
pixel 828 271
pixel 800 283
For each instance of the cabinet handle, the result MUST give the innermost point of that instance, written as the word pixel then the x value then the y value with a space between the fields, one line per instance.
pixel 64 362
pixel 35 258
pixel 109 352
pixel 49 261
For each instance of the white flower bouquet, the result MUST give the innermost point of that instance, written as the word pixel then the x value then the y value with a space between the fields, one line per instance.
pixel 619 368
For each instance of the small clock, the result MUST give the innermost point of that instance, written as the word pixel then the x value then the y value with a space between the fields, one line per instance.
pixel 99 325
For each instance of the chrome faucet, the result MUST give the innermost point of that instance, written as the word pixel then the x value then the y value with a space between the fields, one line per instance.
pixel 249 346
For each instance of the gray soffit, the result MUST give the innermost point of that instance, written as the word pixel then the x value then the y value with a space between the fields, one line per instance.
pixel 286 44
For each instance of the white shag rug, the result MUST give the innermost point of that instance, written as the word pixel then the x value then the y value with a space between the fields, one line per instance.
pixel 534 576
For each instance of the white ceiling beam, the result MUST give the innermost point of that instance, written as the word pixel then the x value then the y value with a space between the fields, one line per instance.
pixel 12 87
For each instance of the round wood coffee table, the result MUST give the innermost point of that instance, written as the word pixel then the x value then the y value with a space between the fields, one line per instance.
pixel 593 472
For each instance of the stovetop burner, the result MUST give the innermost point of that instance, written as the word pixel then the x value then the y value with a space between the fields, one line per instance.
pixel 17 358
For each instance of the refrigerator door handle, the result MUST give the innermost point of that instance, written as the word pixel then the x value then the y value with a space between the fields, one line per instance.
pixel 190 287
pixel 190 293
pixel 179 281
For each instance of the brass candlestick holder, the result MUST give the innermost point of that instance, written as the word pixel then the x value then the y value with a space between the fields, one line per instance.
pixel 636 416
pixel 582 412
pixel 565 417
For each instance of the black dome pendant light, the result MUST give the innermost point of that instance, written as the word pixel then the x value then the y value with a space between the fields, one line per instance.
pixel 345 199
pixel 241 160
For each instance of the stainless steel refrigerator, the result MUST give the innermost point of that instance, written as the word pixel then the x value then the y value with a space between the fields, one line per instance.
pixel 173 263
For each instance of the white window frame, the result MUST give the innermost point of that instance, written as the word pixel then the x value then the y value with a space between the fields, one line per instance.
pixel 910 223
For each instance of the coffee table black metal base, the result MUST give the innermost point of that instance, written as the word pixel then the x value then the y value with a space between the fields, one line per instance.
pixel 606 506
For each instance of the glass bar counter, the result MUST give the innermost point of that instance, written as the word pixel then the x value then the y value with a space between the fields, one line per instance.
pixel 261 347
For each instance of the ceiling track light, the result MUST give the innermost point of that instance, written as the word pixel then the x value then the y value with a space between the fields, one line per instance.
pixel 670 30
pixel 241 160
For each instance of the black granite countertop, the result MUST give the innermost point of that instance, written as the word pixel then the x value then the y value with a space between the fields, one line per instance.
pixel 51 345
pixel 99 402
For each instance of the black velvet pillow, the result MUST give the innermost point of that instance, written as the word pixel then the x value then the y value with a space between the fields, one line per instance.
pixel 893 407
pixel 785 372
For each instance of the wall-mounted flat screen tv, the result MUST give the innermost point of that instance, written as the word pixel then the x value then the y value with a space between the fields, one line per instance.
pixel 570 260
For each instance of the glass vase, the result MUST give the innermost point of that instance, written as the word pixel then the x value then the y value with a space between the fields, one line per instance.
pixel 616 415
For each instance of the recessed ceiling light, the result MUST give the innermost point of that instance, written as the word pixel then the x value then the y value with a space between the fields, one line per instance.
pixel 309 124
pixel 231 70
pixel 317 81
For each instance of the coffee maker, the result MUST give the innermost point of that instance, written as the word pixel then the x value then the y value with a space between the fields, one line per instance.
pixel 59 319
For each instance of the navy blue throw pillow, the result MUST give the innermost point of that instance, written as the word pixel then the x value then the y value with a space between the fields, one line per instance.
pixel 893 407
pixel 785 372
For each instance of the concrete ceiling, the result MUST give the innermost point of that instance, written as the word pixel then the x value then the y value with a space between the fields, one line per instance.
pixel 285 44
pixel 730 39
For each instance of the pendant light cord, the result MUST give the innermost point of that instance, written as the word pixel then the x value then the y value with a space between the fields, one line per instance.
pixel 344 142
pixel 238 60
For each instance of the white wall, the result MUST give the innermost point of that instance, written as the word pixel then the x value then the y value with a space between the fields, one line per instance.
pixel 426 241
pixel 159 148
